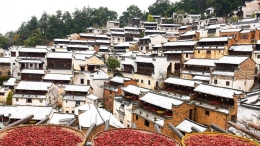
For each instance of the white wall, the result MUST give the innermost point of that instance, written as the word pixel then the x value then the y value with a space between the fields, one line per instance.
pixel 35 102
pixel 127 118
pixel 69 105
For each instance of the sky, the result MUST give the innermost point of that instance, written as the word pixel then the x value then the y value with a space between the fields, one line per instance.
pixel 14 12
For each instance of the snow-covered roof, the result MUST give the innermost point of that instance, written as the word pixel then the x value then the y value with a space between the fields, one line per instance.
pixel 134 28
pixel 59 55
pixel 119 79
pixel 127 62
pixel 180 43
pixel 96 115
pixel 5 60
pixel 77 88
pixel 183 82
pixel 135 89
pixel 29 96
pixel 215 39
pixel 159 31
pixel 103 41
pixel 74 97
pixel 217 91
pixel 185 126
pixel 144 60
pixel 244 48
pixel 83 56
pixel 245 31
pixel 188 33
pixel 195 73
pixel 29 61
pixel 231 30
pixel 29 85
pixel 201 62
pixel 62 40
pixel 223 73
pixel 32 71
pixel 19 112
pixel 147 22
pixel 123 44
pixel 210 106
pixel 10 82
pixel 184 27
pixel 210 48
pixel 63 77
pixel 116 32
pixel 34 50
pixel 92 97
pixel 232 60
pixel 161 100
pixel 78 46
pixel 202 78
pixel 151 116
pixel 61 118
pixel 99 75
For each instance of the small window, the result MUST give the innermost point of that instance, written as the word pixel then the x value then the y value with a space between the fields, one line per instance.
pixel 142 81
pixel 72 112
pixel 215 81
pixel 206 112
pixel 81 81
pixel 13 63
pixel 146 123
pixel 88 82
pixel 0 72
pixel 9 73
pixel 128 126
pixel 40 100
pixel 29 100
pixel 137 80
pixel 227 83
pixel 208 52
pixel 258 56
pixel 17 99
pixel 149 82
pixel 66 101
pixel 136 117
pixel 40 65
pixel 198 51
pixel 111 92
pixel 78 102
pixel 31 65
pixel 67 111
pixel 187 55
pixel 19 74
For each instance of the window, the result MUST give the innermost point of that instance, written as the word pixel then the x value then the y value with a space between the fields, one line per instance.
pixel 40 65
pixel 128 126
pixel 67 111
pixel 258 56
pixel 81 81
pixel 198 51
pixel 142 81
pixel 187 55
pixel 206 112
pixel 66 101
pixel 149 82
pixel 19 74
pixel 29 100
pixel 17 99
pixel 243 36
pixel 88 82
pixel 208 52
pixel 215 81
pixel 146 123
pixel 31 65
pixel 0 72
pixel 9 73
pixel 227 83
pixel 78 102
pixel 72 112
pixel 136 117
pixel 40 100
pixel 137 80
pixel 13 63
pixel 111 92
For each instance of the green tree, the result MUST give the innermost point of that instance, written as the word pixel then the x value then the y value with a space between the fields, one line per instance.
pixel 112 63
pixel 131 12
pixel 34 39
pixel 161 7
pixel 4 42
pixel 150 18
pixel 9 98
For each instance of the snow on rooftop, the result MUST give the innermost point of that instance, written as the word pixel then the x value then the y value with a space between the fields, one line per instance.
pixel 29 85
pixel 32 71
pixel 119 79
pixel 74 97
pixel 5 60
pixel 232 60
pixel 151 116
pixel 244 48
pixel 135 89
pixel 78 46
pixel 144 60
pixel 62 40
pixel 77 88
pixel 231 30
pixel 161 100
pixel 60 118
pixel 64 77
pixel 201 62
pixel 202 78
pixel 10 82
pixel 180 43
pixel 96 115
pixel 183 82
pixel 223 73
pixel 214 39
pixel 98 75
pixel 123 44
pixel 185 126
pixel 59 55
pixel 210 106
pixel 19 112
pixel 34 50
pixel 82 56
pixel 29 61
pixel 92 97
pixel 127 62
pixel 188 33
pixel 217 91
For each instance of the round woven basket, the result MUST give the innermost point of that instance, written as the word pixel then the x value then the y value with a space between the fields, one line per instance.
pixel 215 134
pixel 138 130
pixel 77 132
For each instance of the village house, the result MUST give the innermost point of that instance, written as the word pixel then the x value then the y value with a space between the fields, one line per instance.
pixel 153 32
pixel 10 83
pixel 148 71
pixel 242 50
pixel 234 72
pixel 147 42
pixel 256 55
pixel 150 25
pixel 172 36
pixel 169 27
pixel 4 92
pixel 131 33
pixel 58 78
pixel 74 96
pixel 112 24
pixel 88 114
pixel 77 47
pixel 215 105
pixel 188 35
pixel 61 118
pixel 117 37
pixel 128 101
pixel 197 67
pixel 5 66
pixel 35 94
pixel 32 74
pixel 184 29
pixel 213 47
pixel 177 53
pixel 59 62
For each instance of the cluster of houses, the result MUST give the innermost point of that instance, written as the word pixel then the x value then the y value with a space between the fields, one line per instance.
pixel 174 74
